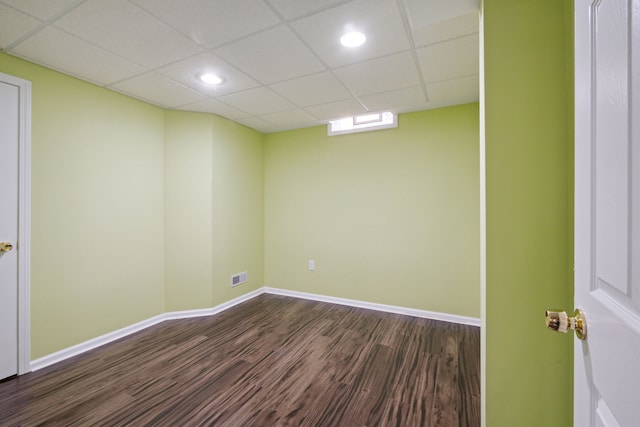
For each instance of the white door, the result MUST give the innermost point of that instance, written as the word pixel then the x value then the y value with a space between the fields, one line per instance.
pixel 9 144
pixel 607 212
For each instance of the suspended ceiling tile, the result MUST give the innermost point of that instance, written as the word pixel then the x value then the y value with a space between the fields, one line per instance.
pixel 187 71
pixel 291 9
pixel 289 118
pixel 379 20
pixel 14 25
pixel 212 22
pixel 110 42
pixel 42 9
pixel 423 13
pixel 336 110
pixel 63 52
pixel 159 90
pixel 271 56
pixel 215 107
pixel 456 91
pixel 258 124
pixel 450 59
pixel 127 30
pixel 379 75
pixel 311 90
pixel 257 101
pixel 401 100
pixel 451 28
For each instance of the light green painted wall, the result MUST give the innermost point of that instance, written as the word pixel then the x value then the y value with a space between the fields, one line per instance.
pixel 126 195
pixel 529 192
pixel 238 208
pixel 213 208
pixel 389 216
pixel 188 210
pixel 97 218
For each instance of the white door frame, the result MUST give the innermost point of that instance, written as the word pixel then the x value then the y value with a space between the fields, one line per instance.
pixel 24 221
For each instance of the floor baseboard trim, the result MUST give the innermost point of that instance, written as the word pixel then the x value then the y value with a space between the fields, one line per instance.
pixel 445 317
pixel 93 343
pixel 185 314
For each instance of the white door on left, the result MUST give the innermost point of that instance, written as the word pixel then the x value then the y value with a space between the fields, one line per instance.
pixel 9 146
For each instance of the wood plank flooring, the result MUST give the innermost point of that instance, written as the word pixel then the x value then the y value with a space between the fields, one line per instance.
pixel 271 361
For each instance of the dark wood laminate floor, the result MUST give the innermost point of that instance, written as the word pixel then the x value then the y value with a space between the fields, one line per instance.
pixel 271 361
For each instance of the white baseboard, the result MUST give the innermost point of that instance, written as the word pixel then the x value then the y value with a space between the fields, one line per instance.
pixel 214 310
pixel 453 318
pixel 91 344
pixel 77 349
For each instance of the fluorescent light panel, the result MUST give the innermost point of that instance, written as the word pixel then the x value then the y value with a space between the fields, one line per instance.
pixel 363 123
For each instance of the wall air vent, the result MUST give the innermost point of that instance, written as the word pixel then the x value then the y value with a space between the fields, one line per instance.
pixel 363 123
pixel 238 279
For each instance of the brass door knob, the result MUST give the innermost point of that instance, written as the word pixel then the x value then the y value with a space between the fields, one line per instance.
pixel 5 246
pixel 559 321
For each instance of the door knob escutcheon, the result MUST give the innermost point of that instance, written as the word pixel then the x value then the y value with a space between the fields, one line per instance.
pixel 559 321
pixel 5 246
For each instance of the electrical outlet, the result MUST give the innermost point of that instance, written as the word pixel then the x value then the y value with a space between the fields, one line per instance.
pixel 312 265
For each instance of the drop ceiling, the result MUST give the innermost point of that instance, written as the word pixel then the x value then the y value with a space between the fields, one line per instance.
pixel 282 62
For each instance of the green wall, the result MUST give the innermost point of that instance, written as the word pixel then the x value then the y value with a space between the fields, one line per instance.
pixel 213 209
pixel 188 211
pixel 238 208
pixel 389 217
pixel 529 144
pixel 135 210
pixel 96 214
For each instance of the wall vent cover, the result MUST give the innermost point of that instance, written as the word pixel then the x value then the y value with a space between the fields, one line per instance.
pixel 239 278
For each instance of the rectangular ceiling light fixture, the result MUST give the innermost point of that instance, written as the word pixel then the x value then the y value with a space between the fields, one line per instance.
pixel 363 123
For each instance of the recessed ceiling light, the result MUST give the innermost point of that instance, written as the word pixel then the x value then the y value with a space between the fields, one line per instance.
pixel 211 79
pixel 353 39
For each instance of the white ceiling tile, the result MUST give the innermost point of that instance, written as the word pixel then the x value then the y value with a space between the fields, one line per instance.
pixel 153 50
pixel 289 118
pixel 456 91
pixel 450 59
pixel 63 52
pixel 257 124
pixel 271 56
pixel 379 75
pixel 335 110
pixel 212 22
pixel 291 9
pixel 451 28
pixel 379 20
pixel 257 101
pixel 215 107
pixel 401 100
pixel 426 12
pixel 14 25
pixel 311 90
pixel 125 29
pixel 42 9
pixel 159 90
pixel 187 71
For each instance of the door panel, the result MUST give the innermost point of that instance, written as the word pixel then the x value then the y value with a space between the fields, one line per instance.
pixel 607 188
pixel 9 128
pixel 611 63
